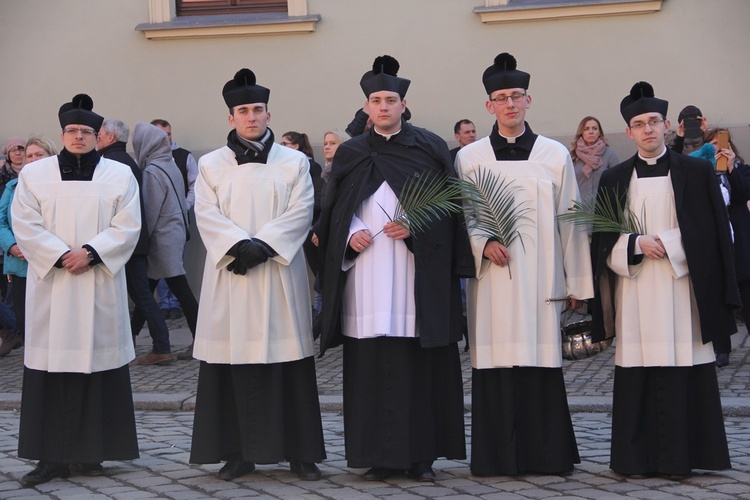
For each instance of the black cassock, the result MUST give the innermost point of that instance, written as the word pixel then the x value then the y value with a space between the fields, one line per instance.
pixel 403 398
pixel 668 420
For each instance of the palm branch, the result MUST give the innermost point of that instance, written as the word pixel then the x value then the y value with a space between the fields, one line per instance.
pixel 604 216
pixel 425 198
pixel 491 208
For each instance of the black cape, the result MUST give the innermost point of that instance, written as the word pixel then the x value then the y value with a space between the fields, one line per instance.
pixel 441 254
pixel 704 225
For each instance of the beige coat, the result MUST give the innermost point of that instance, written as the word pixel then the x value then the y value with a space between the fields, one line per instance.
pixel 265 315
pixel 77 323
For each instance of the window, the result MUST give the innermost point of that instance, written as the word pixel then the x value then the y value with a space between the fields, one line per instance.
pixel 209 7
pixel 180 19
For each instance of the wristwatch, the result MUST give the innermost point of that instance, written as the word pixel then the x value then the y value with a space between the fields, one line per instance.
pixel 90 255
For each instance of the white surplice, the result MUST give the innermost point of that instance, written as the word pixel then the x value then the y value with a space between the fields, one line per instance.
pixel 263 316
pixel 379 292
pixel 657 321
pixel 511 323
pixel 76 323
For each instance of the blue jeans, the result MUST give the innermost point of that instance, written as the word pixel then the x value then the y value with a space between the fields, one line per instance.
pixel 146 308
pixel 166 298
pixel 180 287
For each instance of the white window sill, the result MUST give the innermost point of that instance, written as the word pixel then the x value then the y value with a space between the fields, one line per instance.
pixel 542 10
pixel 229 25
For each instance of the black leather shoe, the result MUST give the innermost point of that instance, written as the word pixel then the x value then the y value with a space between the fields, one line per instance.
pixel 422 472
pixel 307 471
pixel 87 469
pixel 722 359
pixel 380 473
pixel 43 472
pixel 234 468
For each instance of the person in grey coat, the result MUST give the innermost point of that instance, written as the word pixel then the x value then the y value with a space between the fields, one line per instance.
pixel 166 218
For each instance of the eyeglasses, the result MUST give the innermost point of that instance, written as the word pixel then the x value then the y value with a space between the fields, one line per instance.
pixel 503 99
pixel 653 123
pixel 17 149
pixel 85 132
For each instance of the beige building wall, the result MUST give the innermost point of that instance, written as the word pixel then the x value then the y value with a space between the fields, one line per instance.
pixel 692 51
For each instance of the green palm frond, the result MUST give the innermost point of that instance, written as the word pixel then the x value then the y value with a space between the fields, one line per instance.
pixel 491 208
pixel 601 215
pixel 425 198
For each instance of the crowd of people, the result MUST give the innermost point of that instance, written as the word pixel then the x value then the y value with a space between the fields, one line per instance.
pixel 83 229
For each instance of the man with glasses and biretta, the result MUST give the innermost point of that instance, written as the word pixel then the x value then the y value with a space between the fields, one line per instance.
pixel 76 218
pixel 666 294
pixel 520 418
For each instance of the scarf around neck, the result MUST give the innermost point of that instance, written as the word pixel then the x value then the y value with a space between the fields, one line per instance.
pixel 250 151
pixel 591 156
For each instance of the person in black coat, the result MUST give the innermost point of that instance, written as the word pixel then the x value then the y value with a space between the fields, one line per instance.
pixel 738 179
pixel 403 396
pixel 112 143
pixel 666 295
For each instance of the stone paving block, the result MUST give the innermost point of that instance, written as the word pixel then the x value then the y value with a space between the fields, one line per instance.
pixel 652 494
pixel 23 493
pixel 543 480
pixel 430 490
pixel 134 495
pixel 476 490
pixel 502 496
pixel 513 485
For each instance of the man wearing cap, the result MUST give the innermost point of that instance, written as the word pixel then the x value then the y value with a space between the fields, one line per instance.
pixel 257 400
pixel 520 417
pixel 393 299
pixel 77 219
pixel 666 295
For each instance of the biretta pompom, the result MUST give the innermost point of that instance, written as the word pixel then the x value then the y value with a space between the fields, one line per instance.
pixel 79 112
pixel 504 75
pixel 243 89
pixel 383 77
pixel 641 100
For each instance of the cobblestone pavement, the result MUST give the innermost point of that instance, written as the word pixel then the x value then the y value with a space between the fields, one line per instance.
pixel 163 471
pixel 164 440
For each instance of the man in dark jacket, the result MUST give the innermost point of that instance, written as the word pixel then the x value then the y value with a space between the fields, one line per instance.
pixel 666 294
pixel 111 143
pixel 397 306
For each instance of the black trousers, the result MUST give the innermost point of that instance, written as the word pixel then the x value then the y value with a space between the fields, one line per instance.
pixel 181 289
pixel 19 302
pixel 724 345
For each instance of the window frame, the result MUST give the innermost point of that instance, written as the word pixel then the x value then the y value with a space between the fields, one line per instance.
pixel 164 24
pixel 218 7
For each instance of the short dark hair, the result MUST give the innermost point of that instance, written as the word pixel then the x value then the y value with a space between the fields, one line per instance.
pixel 457 126
pixel 160 123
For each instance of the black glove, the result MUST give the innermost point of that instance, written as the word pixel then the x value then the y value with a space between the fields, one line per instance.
pixel 254 252
pixel 237 267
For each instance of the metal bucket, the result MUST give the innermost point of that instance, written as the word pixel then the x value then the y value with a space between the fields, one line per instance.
pixel 576 341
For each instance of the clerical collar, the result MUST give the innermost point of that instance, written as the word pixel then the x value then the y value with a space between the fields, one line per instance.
pixel 512 140
pixel 655 159
pixel 518 150
pixel 386 136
